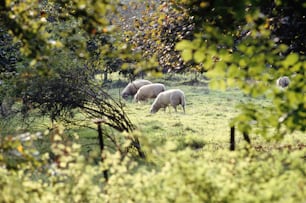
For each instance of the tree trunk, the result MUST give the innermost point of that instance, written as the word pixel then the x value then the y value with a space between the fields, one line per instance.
pixel 105 77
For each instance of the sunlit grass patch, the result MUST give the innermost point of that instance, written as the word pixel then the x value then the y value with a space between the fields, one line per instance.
pixel 207 117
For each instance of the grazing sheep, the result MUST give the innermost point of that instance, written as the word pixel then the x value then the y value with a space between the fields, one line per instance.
pixel 149 91
pixel 132 88
pixel 283 81
pixel 173 97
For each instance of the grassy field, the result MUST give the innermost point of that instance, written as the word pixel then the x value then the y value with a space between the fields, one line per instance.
pixel 204 125
pixel 188 157
pixel 207 117
pixel 245 176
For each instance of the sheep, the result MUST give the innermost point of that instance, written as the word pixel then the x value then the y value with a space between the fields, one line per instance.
pixel 149 91
pixel 132 88
pixel 173 97
pixel 283 81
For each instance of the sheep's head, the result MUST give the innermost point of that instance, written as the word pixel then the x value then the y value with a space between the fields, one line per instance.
pixel 153 109
pixel 283 82
pixel 125 95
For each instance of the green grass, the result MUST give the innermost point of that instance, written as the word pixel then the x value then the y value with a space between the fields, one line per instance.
pixel 206 121
pixel 208 113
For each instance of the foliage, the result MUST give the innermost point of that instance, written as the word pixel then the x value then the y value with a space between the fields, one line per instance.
pixel 249 53
pixel 30 26
pixel 9 57
pixel 153 31
pixel 9 54
pixel 282 18
pixel 59 59
pixel 172 175
pixel 55 38
pixel 187 158
pixel 48 180
pixel 58 96
pixel 189 176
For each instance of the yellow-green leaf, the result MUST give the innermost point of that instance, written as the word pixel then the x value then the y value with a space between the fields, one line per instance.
pixel 199 56
pixel 187 54
pixel 184 44
pixel 291 59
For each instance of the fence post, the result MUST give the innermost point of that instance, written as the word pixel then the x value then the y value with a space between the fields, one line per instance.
pixel 101 143
pixel 232 139
pixel 246 137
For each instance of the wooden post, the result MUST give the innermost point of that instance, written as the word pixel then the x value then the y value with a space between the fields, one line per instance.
pixel 101 143
pixel 232 139
pixel 246 137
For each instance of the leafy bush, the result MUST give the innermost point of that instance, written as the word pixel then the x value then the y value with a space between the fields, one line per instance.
pixel 168 175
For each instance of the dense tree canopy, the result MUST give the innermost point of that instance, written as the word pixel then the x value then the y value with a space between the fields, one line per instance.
pixel 153 29
pixel 250 44
pixel 246 44
pixel 285 19
pixel 63 44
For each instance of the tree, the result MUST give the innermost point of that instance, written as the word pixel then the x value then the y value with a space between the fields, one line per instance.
pixel 242 41
pixel 152 30
pixel 9 57
pixel 59 61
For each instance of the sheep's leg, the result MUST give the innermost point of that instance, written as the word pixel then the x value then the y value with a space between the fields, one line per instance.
pixel 183 108
pixel 175 109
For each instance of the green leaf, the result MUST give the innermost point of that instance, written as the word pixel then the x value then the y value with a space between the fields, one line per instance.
pixel 291 59
pixel 199 56
pixel 218 71
pixel 278 2
pixel 233 70
pixel 283 47
pixel 217 84
pixel 184 44
pixel 220 68
pixel 243 63
pixel 231 82
pixel 187 54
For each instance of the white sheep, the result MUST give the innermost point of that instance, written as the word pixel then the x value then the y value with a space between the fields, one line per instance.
pixel 132 88
pixel 149 91
pixel 283 81
pixel 173 97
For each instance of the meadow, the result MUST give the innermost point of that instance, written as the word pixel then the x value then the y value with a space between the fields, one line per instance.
pixel 193 149
pixel 188 157
pixel 206 121
pixel 207 117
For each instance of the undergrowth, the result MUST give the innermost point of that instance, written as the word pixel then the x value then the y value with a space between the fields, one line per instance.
pixel 187 157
